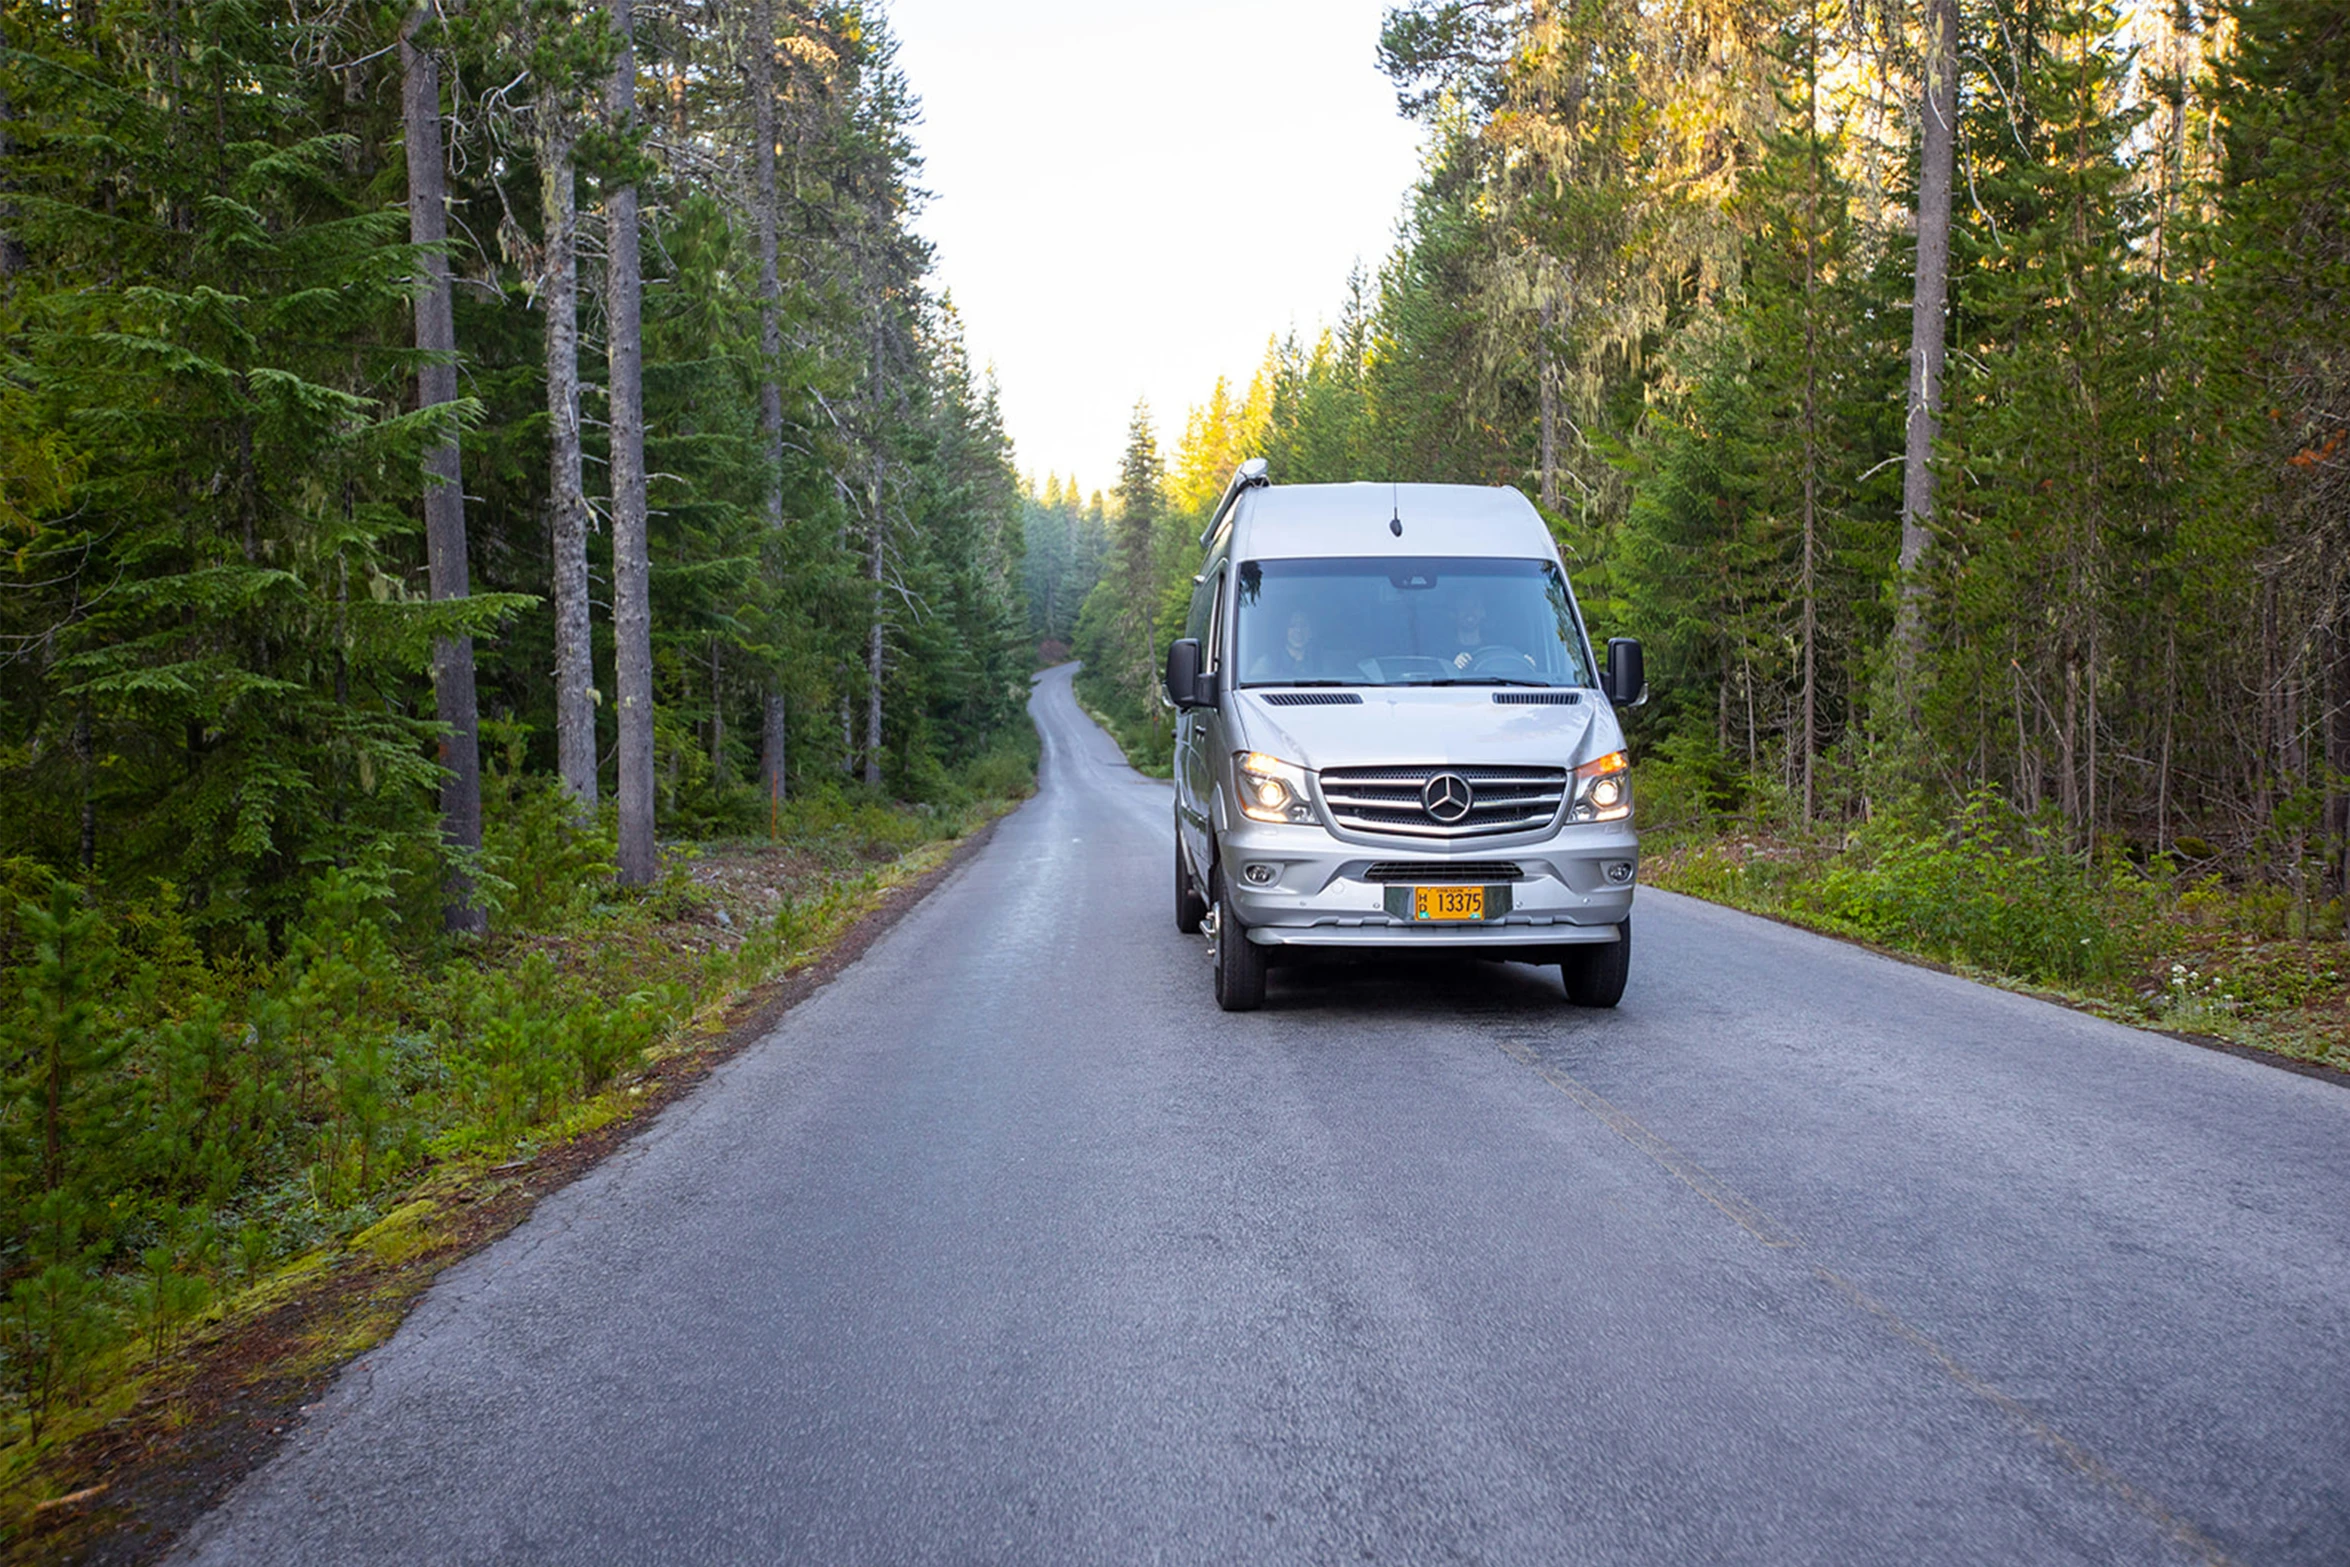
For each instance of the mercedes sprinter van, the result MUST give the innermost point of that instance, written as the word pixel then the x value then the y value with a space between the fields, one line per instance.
pixel 1391 733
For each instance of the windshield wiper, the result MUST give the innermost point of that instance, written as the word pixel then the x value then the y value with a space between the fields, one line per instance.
pixel 1487 680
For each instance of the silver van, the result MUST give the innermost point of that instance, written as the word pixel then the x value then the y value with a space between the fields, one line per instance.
pixel 1392 734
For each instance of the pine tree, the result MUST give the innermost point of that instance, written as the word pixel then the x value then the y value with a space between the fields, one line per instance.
pixel 210 304
pixel 454 699
pixel 765 199
pixel 2282 98
pixel 1141 511
pixel 2049 423
pixel 562 59
pixel 1937 134
pixel 632 610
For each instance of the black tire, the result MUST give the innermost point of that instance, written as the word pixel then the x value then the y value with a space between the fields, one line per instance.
pixel 1190 907
pixel 1595 974
pixel 1240 963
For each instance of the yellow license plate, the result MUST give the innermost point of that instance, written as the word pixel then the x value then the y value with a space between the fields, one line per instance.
pixel 1448 903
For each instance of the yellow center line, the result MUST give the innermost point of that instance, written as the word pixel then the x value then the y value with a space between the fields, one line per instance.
pixel 2072 1452
pixel 1688 1171
pixel 1777 1236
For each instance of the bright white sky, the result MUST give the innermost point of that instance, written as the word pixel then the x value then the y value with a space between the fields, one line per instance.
pixel 1128 199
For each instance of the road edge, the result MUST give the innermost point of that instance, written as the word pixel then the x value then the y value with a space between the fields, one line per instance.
pixel 2319 1070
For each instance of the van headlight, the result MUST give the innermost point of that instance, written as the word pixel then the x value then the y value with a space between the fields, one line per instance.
pixel 1603 789
pixel 1270 789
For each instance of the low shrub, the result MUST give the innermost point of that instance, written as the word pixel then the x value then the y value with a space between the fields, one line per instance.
pixel 173 1121
pixel 1994 891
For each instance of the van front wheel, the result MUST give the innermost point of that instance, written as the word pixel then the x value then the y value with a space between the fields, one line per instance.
pixel 1240 963
pixel 1595 974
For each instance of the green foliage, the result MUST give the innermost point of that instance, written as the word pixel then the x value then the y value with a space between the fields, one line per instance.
pixel 171 1123
pixel 1994 891
pixel 1688 785
pixel 1066 541
pixel 208 323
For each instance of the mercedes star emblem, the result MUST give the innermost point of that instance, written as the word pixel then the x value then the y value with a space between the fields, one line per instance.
pixel 1447 798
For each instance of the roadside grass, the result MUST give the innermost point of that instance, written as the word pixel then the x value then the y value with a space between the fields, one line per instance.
pixel 1998 899
pixel 1147 738
pixel 396 1108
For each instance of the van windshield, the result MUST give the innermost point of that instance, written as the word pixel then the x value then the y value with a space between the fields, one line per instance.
pixel 1435 620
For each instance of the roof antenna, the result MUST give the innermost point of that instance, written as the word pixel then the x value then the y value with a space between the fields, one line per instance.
pixel 1395 504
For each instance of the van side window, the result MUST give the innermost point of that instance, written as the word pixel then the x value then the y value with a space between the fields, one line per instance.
pixel 1211 646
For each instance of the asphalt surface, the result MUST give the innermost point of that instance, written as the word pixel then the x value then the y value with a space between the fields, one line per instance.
pixel 1009 1247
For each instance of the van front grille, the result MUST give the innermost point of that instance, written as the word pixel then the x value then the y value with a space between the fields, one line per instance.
pixel 1395 800
pixel 1430 872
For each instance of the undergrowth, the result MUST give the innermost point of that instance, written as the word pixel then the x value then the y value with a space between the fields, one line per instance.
pixel 2001 896
pixel 1145 734
pixel 177 1124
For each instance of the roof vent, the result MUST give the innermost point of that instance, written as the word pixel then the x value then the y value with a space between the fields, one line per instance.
pixel 1248 476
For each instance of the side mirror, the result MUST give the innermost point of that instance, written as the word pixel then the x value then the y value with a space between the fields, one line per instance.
pixel 1626 679
pixel 1183 672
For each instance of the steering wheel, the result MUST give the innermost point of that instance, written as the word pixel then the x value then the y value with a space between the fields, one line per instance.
pixel 1495 658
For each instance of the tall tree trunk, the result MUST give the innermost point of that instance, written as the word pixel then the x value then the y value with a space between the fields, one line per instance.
pixel 2068 748
pixel 2337 750
pixel 764 200
pixel 1546 380
pixel 1937 149
pixel 2090 738
pixel 2170 682
pixel 717 722
pixel 85 751
pixel 1811 422
pixel 874 644
pixel 12 257
pixel 575 670
pixel 632 608
pixel 772 737
pixel 454 700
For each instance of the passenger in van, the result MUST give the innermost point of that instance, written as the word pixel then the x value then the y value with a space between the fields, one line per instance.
pixel 1294 659
pixel 1468 621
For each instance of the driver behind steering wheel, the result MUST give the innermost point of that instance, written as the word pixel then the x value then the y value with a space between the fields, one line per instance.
pixel 1468 621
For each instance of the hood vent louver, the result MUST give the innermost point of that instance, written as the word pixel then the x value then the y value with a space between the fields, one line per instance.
pixel 1538 698
pixel 1311 699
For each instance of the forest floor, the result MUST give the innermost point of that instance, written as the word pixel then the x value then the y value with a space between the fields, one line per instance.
pixel 2242 971
pixel 221 1401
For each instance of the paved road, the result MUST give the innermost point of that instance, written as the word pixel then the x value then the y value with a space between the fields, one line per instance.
pixel 1008 1247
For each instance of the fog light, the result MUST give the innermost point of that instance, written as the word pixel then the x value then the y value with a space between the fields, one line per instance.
pixel 1619 871
pixel 1259 875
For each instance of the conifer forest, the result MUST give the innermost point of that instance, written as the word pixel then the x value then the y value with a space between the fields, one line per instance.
pixel 452 454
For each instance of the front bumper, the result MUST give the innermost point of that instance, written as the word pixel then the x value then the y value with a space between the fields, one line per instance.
pixel 1574 886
